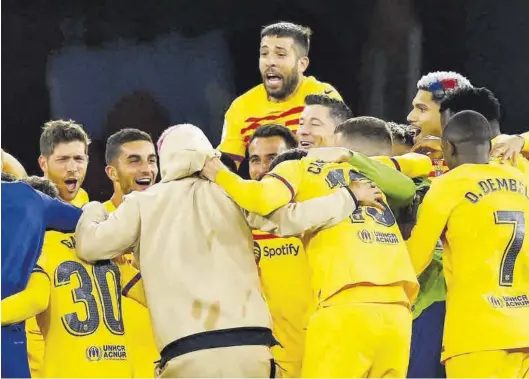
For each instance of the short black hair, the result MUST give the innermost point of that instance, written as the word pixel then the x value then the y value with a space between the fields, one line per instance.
pixel 61 131
pixel 299 33
pixel 274 130
pixel 289 155
pixel 7 177
pixel 402 133
pixel 43 185
pixel 468 128
pixel 480 100
pixel 116 140
pixel 338 110
pixel 228 162
pixel 366 128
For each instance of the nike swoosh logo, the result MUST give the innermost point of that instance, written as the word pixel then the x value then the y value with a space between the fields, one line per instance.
pixel 328 91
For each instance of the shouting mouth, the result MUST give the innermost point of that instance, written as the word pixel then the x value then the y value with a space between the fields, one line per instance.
pixel 273 80
pixel 71 184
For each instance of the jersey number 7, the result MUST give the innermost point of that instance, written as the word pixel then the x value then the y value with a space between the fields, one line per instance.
pixel 517 220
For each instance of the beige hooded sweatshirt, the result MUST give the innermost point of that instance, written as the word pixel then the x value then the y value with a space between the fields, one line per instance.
pixel 193 244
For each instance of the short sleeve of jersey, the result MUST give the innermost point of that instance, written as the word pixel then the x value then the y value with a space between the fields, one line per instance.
pixel 290 173
pixel 129 277
pixel 232 141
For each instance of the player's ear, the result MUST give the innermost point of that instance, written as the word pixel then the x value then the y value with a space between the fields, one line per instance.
pixel 111 173
pixel 43 163
pixel 303 64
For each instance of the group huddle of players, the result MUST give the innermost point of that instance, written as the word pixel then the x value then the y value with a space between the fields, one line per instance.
pixel 346 301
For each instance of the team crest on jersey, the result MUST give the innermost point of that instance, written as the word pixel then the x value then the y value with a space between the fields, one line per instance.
pixel 365 236
pixel 106 352
pixel 256 252
pixel 94 354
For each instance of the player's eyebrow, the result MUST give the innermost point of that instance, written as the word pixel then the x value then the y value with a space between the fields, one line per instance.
pixel 253 156
pixel 133 156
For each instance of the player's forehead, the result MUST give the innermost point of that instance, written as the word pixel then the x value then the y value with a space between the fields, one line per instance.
pixel 69 149
pixel 139 148
pixel 315 111
pixel 275 42
pixel 262 146
pixel 423 98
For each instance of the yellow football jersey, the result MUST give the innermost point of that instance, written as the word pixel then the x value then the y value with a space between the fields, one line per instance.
pixel 253 109
pixel 140 338
pixel 365 248
pixel 286 282
pixel 80 199
pixel 521 163
pixel 482 223
pixel 35 340
pixel 83 325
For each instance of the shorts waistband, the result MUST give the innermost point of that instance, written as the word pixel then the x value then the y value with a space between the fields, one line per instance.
pixel 245 336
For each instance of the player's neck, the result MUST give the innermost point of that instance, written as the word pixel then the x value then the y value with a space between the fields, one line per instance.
pixel 472 159
pixel 290 95
pixel 117 197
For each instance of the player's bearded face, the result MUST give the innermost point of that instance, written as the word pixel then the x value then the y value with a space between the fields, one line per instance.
pixel 280 66
pixel 66 168
pixel 425 116
pixel 136 168
pixel 316 127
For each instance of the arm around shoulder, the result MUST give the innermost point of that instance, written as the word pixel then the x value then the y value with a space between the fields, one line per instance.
pixel 99 237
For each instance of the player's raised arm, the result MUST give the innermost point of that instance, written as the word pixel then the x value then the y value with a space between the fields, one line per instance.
pixel 99 237
pixel 29 302
pixel 12 166
pixel 60 216
pixel 412 165
pixel 296 218
pixel 260 197
pixel 508 147
pixel 431 222
pixel 398 188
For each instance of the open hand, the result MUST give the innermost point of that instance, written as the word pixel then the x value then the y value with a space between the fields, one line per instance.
pixel 211 168
pixel 508 149
pixel 367 194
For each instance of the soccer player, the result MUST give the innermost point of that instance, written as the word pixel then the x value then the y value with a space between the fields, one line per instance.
pixel 26 214
pixel 319 119
pixel 283 60
pixel 432 88
pixel 483 101
pixel 486 255
pixel 78 310
pixel 64 161
pixel 186 228
pixel 132 166
pixel 424 117
pixel 362 275
pixel 63 158
pixel 403 138
pixel 283 266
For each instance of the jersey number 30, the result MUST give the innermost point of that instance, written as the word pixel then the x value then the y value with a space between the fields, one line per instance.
pixel 517 220
pixel 84 294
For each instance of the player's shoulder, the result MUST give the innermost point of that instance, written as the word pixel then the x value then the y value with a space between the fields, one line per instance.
pixel 311 85
pixel 59 246
pixel 255 94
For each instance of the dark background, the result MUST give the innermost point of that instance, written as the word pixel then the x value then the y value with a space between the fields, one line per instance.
pixel 149 64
